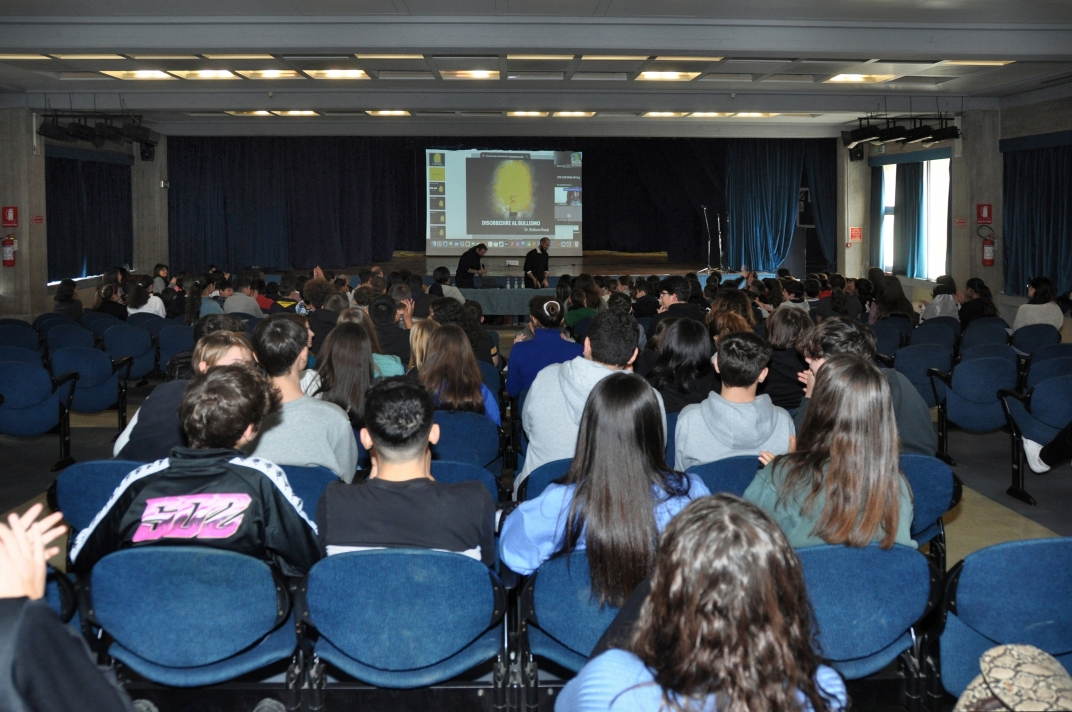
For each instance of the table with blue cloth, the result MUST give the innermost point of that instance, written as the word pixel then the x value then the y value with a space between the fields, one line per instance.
pixel 505 302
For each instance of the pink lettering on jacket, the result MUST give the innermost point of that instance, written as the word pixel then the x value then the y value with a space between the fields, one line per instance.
pixel 192 516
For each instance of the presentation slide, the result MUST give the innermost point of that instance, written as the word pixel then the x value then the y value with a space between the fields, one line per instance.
pixel 508 200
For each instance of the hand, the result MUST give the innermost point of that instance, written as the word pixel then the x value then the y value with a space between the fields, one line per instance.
pixel 662 308
pixel 23 554
pixel 318 273
pixel 959 297
pixel 765 457
pixel 520 337
pixel 544 284
pixel 226 275
pixel 407 308
pixel 482 271
pixel 809 383
pixel 174 281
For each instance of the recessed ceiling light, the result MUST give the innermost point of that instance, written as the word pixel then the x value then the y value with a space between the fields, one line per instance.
pixel 977 62
pixel 574 114
pixel 336 73
pixel 613 58
pixel 389 112
pixel 664 114
pixel 5 57
pixel 260 112
pixel 710 114
pixel 203 74
pixel 667 76
pixel 296 112
pixel 688 59
pixel 470 74
pixel 88 56
pixel 556 57
pixel 140 74
pixel 754 115
pixel 270 74
pixel 526 113
pixel 389 56
pixel 164 56
pixel 239 56
pixel 860 78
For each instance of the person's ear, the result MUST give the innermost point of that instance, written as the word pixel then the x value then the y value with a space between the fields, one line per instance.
pixel 587 348
pixel 248 436
pixel 366 439
pixel 714 361
pixel 202 366
pixel 433 434
pixel 303 358
pixel 763 375
pixel 636 352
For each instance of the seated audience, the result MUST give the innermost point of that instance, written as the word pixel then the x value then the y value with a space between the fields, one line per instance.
pixel 67 301
pixel 422 301
pixel 556 399
pixel 400 293
pixel 452 377
pixel 484 348
pixel 735 422
pixel 207 292
pixel 224 289
pixel 784 328
pixel 142 299
pixel 979 302
pixel 547 345
pixel 1041 307
pixel 793 296
pixel 892 302
pixel 266 293
pixel 646 305
pixel 839 303
pixel 155 428
pixel 648 356
pixel 174 296
pixel 386 365
pixel 315 294
pixel 443 287
pixel 579 308
pixel 734 301
pixel 618 495
pixel 724 622
pixel 393 338
pixel 842 484
pixel 246 504
pixel 621 301
pixel 944 299
pixel 845 336
pixel 674 295
pixel 400 505
pixel 160 278
pixel 418 345
pixel 289 298
pixel 244 300
pixel 683 374
pixel 304 431
pixel 108 301
pixel 727 322
pixel 344 370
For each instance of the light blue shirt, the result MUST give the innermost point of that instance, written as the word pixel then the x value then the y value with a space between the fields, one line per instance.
pixel 536 530
pixel 618 681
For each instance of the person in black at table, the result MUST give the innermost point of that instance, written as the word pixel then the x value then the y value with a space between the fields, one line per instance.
pixel 536 265
pixel 469 265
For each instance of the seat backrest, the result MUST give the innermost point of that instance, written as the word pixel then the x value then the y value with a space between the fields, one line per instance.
pixel 49 324
pixel 94 367
pixel 913 361
pixel 864 599
pixel 140 318
pixel 951 321
pixel 69 335
pixel 671 431
pixel 126 340
pixel 931 482
pixel 8 321
pixel 1034 337
pixel 580 329
pixel 564 606
pixel 987 320
pixel 976 335
pixel 980 379
pixel 930 333
pixel 176 338
pixel 466 437
pixel 412 609
pixel 155 326
pixel 18 337
pixel 42 319
pixel 1052 351
pixel 1047 369
pixel 887 337
pixel 23 385
pixel 309 483
pixel 452 472
pixel 544 475
pixel 732 474
pixel 14 353
pixel 990 351
pixel 91 316
pixel 1019 592
pixel 185 606
pixel 490 374
pixel 100 326
pixel 84 488
pixel 1051 401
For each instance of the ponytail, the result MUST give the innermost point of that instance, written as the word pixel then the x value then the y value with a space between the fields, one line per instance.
pixel 838 301
pixel 139 296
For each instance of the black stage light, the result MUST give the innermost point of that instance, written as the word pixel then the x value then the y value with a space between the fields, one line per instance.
pixel 109 132
pixel 863 134
pixel 918 134
pixel 81 131
pixel 52 130
pixel 946 133
pixel 891 134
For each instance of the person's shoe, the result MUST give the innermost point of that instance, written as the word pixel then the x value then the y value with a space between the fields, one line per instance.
pixel 144 706
pixel 269 705
pixel 1033 450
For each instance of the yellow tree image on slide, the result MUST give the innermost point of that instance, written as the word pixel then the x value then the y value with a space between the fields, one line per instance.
pixel 512 189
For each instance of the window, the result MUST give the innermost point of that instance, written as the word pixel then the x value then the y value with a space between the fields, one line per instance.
pixel 935 211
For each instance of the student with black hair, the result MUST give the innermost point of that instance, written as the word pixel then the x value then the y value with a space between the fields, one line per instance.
pixel 646 305
pixel 394 340
pixel 447 311
pixel 979 302
pixel 245 505
pixel 794 296
pixel 422 301
pixel 944 299
pixel 315 293
pixel 67 301
pixel 735 422
pixel 443 287
pixel 1041 307
pixel 305 431
pixel 142 299
pixel 401 505
pixel 683 373
pixel 674 295
pixel 108 301
pixel 785 327
pixel 839 303
pixel 244 300
pixel 547 345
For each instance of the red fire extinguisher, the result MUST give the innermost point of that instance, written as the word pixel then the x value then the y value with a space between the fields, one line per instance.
pixel 8 247
pixel 988 244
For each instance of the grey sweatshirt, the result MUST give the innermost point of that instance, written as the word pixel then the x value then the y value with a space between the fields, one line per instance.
pixel 717 429
pixel 308 432
pixel 553 409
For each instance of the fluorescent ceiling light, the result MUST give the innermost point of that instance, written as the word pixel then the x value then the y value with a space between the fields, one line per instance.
pixel 665 114
pixel 296 112
pixel 600 76
pixel 469 74
pixel 270 74
pixel 388 112
pixel 668 76
pixel 688 59
pixel 337 73
pixel 860 78
pixel 526 113
pixel 260 112
pixel 557 57
pixel 203 74
pixel 389 56
pixel 710 114
pixel 536 76
pixel 574 114
pixel 754 115
pixel 4 57
pixel 238 56
pixel 977 62
pixel 613 58
pixel 164 56
pixel 140 74
pixel 88 56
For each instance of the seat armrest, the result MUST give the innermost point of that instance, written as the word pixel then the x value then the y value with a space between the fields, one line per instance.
pixel 127 361
pixel 885 360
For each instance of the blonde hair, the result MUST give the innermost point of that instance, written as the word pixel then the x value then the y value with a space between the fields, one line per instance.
pixel 418 341
pixel 213 347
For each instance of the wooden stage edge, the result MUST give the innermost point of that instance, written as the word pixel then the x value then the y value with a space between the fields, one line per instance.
pixel 592 262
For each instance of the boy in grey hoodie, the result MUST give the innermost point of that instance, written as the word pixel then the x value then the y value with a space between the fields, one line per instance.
pixel 553 408
pixel 737 422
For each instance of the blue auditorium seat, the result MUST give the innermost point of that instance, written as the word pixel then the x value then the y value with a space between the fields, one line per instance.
pixel 174 339
pixel 969 397
pixel 914 361
pixel 100 379
pixel 1038 415
pixel 84 488
pixel 935 491
pixel 732 474
pixel 124 340
pixel 34 402
pixel 469 437
pixel 538 479
pixel 451 472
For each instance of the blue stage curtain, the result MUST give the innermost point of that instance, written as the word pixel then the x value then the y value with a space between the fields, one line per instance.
pixel 88 216
pixel 909 252
pixel 820 163
pixel 763 179
pixel 1037 216
pixel 878 211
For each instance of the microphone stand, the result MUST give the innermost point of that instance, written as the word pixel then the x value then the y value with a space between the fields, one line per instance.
pixel 708 269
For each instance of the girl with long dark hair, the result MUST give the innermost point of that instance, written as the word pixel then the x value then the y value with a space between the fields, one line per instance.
pixel 108 302
pixel 618 495
pixel 67 301
pixel 838 303
pixel 842 484
pixel 345 370
pixel 386 365
pixel 452 376
pixel 1041 307
pixel 683 374
pixel 726 624
pixel 979 302
pixel 893 302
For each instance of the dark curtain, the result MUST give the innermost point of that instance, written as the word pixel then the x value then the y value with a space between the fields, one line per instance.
pixel 878 212
pixel 762 189
pixel 1037 216
pixel 89 217
pixel 820 163
pixel 909 252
